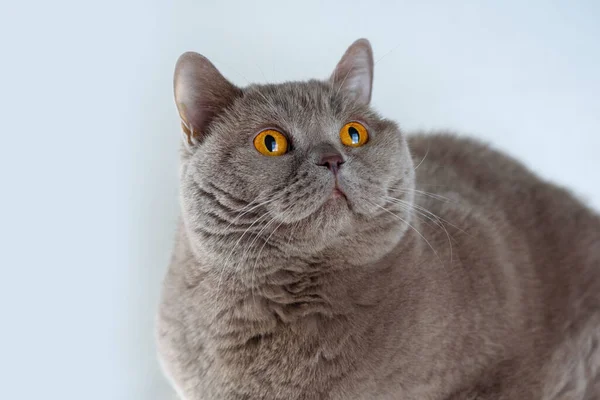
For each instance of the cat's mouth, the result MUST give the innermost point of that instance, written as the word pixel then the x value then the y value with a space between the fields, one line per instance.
pixel 339 197
pixel 338 193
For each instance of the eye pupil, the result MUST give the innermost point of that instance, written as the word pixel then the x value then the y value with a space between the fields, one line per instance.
pixel 354 135
pixel 270 143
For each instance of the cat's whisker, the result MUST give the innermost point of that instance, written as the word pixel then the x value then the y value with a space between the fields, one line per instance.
pixel 422 217
pixel 234 248
pixel 422 193
pixel 241 214
pixel 409 207
pixel 258 256
pixel 433 185
pixel 243 211
pixel 435 219
pixel 423 209
pixel 252 224
pixel 235 71
pixel 261 72
pixel 388 53
pixel 412 227
pixel 268 213
pixel 246 207
pixel 424 157
pixel 246 254
pixel 433 195
pixel 291 234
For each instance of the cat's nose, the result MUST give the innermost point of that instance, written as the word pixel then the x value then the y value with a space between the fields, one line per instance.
pixel 332 160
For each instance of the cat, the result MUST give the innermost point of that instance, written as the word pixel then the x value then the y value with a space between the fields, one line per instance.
pixel 324 254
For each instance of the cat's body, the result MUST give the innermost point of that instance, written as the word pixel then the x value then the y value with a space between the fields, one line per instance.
pixel 487 289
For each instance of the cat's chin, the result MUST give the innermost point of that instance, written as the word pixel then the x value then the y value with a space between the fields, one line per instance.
pixel 332 216
pixel 337 203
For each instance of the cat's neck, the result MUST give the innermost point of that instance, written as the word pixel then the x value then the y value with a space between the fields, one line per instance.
pixel 303 294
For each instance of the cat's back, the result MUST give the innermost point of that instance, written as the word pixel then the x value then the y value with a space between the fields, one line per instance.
pixel 562 235
pixel 552 238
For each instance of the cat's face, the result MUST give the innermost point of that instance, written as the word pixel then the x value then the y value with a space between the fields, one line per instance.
pixel 322 176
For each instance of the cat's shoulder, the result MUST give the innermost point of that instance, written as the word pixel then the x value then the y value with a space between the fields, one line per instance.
pixel 452 148
pixel 450 160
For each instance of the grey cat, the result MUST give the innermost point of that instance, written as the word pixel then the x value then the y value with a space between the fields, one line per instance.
pixel 323 254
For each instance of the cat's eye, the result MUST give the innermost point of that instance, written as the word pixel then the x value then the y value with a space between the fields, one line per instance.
pixel 354 134
pixel 271 143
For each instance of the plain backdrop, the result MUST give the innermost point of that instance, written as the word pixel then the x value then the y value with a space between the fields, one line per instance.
pixel 90 135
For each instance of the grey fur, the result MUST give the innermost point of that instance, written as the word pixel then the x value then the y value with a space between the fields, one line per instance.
pixel 489 288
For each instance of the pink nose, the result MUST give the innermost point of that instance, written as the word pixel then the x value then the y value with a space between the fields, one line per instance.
pixel 331 160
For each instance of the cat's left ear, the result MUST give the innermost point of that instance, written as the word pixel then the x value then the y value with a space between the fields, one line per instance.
pixel 201 93
pixel 354 72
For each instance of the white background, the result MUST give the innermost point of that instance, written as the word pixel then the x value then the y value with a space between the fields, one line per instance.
pixel 88 152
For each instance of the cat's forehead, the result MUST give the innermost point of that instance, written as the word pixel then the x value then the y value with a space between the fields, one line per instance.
pixel 317 93
pixel 292 102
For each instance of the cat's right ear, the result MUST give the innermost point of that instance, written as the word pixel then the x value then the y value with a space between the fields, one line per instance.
pixel 201 93
pixel 354 73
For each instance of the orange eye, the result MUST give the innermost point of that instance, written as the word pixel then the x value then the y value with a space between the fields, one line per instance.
pixel 271 143
pixel 354 134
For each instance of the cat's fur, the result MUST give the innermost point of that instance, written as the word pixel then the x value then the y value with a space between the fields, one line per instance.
pixel 487 289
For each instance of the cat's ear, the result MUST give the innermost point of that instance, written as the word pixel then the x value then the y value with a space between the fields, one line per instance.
pixel 201 93
pixel 354 72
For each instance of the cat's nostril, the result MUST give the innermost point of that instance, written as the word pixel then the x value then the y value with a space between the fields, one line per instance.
pixel 331 161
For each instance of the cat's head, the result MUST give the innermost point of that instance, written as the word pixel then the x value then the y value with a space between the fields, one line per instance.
pixel 297 166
